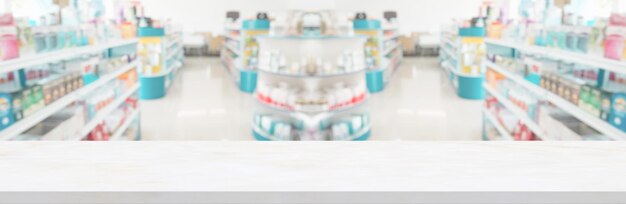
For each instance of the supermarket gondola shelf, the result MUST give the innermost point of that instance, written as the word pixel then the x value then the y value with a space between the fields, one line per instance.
pixel 305 77
pixel 447 41
pixel 391 48
pixel 175 52
pixel 499 127
pixel 102 114
pixel 450 53
pixel 124 127
pixel 596 61
pixel 361 135
pixel 519 113
pixel 232 48
pixel 594 122
pixel 32 120
pixel 329 113
pixel 49 57
pixel 229 67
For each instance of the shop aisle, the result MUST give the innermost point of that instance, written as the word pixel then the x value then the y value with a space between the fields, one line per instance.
pixel 204 104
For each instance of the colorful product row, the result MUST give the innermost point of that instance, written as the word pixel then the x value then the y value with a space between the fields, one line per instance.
pixel 113 122
pixel 584 86
pixel 275 61
pixel 103 97
pixel 606 37
pixel 17 105
pixel 19 38
pixel 22 103
pixel 340 130
pixel 332 98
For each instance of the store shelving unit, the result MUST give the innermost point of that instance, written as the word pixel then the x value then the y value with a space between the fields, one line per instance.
pixel 48 57
pixel 161 51
pixel 240 50
pixel 19 127
pixel 128 122
pixel 175 54
pixel 460 55
pixel 522 116
pixel 384 51
pixel 303 119
pixel 573 57
pixel 102 114
pixel 594 122
pixel 502 131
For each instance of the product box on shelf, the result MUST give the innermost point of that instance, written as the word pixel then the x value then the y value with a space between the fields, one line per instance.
pixel 590 100
pixel 522 133
pixel 618 112
pixel 606 105
pixel 33 100
pixel 26 38
pixel 7 117
pixel 9 48
pixel 98 134
pixel 614 47
pixel 89 69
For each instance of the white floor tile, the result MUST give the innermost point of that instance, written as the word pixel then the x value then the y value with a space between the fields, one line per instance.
pixel 205 104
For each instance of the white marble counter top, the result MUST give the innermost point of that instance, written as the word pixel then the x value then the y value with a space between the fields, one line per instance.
pixel 122 171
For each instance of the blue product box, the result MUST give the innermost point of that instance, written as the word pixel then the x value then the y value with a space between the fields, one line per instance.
pixel 618 113
pixel 606 105
pixel 6 110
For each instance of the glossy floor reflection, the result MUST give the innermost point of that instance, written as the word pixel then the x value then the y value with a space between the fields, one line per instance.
pixel 205 104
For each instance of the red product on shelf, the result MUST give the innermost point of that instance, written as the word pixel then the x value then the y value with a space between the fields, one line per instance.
pixel 98 134
pixel 522 133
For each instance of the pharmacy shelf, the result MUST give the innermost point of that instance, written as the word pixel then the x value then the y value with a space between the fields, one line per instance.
pixel 173 42
pixel 229 64
pixel 596 61
pixel 499 127
pixel 23 125
pixel 391 48
pixel 356 136
pixel 306 77
pixel 49 57
pixel 231 48
pixel 102 114
pixel 594 122
pixel 362 133
pixel 519 113
pixel 456 72
pixel 294 113
pixel 447 41
pixel 127 122
pixel 450 53
pixel 174 52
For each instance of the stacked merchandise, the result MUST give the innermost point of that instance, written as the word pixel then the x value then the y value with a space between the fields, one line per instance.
pixel 23 37
pixel 564 65
pixel 311 88
pixel 66 74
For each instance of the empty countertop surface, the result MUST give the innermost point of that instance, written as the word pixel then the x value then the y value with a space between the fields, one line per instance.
pixel 161 171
